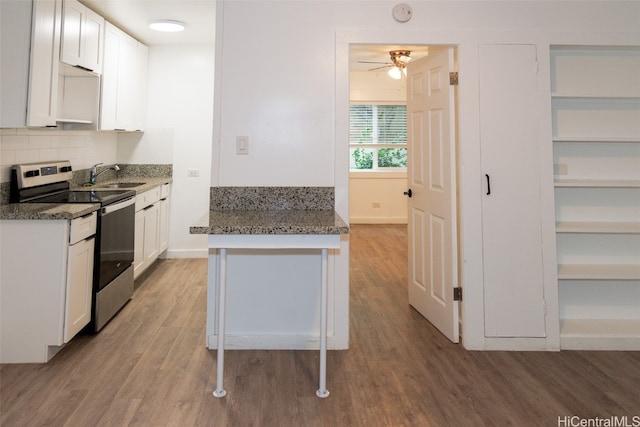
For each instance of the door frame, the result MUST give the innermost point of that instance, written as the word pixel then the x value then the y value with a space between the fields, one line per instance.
pixel 469 195
pixel 343 42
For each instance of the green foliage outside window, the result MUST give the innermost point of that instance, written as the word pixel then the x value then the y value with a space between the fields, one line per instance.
pixel 378 124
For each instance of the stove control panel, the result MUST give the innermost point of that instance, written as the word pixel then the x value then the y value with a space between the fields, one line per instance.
pixel 34 174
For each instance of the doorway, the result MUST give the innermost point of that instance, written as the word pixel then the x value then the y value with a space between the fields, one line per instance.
pixel 437 273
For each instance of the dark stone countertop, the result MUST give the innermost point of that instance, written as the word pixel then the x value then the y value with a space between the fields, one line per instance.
pixel 67 211
pixel 46 211
pixel 270 222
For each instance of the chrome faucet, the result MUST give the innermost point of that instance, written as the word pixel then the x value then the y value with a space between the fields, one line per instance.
pixel 94 174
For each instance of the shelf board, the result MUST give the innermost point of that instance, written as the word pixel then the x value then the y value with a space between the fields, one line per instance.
pixel 600 334
pixel 594 96
pixel 598 183
pixel 598 227
pixel 598 272
pixel 602 139
pixel 78 121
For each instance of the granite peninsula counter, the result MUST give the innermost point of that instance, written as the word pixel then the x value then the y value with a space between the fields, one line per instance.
pixel 269 218
pixel 270 222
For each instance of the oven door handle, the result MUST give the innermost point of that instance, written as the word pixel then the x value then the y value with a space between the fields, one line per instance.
pixel 117 206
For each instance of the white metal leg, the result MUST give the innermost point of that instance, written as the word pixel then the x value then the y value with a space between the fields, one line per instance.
pixel 322 389
pixel 222 286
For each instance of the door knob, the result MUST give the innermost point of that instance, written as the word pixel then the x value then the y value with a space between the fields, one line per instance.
pixel 408 193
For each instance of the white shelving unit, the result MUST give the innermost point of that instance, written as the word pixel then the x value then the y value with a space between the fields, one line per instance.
pixel 596 136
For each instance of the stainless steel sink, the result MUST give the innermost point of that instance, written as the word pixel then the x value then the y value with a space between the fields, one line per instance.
pixel 121 185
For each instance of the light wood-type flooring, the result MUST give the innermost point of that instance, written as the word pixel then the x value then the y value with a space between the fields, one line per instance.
pixel 150 366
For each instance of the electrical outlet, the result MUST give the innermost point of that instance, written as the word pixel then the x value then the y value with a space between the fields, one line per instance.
pixel 193 173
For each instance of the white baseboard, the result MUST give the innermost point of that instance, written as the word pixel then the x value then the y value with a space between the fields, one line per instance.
pixel 373 220
pixel 186 253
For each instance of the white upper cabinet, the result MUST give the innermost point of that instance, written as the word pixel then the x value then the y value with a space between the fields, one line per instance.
pixel 30 37
pixel 82 37
pixel 125 62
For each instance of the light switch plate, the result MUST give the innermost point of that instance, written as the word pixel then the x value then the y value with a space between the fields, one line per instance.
pixel 242 145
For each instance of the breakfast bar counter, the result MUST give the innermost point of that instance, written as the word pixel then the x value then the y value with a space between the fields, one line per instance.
pixel 303 225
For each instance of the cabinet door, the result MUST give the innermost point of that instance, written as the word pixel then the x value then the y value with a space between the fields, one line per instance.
pixel 119 75
pixel 164 226
pixel 138 245
pixel 82 31
pixel 142 58
pixel 511 203
pixel 73 14
pixel 43 67
pixel 127 105
pixel 93 41
pixel 79 287
pixel 151 233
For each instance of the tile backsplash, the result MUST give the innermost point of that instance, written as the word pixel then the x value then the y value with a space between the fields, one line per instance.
pixel 81 148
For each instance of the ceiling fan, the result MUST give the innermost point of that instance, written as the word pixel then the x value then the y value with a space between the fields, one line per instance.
pixel 398 64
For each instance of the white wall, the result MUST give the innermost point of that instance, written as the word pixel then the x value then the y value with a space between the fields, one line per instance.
pixel 179 131
pixel 376 197
pixel 282 79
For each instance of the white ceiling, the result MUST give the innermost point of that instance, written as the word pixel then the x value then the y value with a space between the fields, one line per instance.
pixel 133 16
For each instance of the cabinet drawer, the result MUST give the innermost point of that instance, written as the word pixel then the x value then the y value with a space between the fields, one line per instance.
pixel 164 191
pixel 83 227
pixel 147 198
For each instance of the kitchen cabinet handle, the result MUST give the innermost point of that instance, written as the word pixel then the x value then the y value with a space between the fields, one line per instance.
pixel 488 184
pixel 83 68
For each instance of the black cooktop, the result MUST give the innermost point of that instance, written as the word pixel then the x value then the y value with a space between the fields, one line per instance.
pixel 104 197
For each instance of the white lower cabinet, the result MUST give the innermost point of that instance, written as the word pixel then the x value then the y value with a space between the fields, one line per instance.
pixel 164 219
pixel 151 232
pixel 46 278
pixel 151 229
pixel 79 280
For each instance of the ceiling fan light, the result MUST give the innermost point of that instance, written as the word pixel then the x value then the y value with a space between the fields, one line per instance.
pixel 167 25
pixel 404 59
pixel 395 73
pixel 404 71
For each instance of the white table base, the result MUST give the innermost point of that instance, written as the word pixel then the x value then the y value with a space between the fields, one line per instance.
pixel 224 242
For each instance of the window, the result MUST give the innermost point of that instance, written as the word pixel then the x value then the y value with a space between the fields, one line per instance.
pixel 378 137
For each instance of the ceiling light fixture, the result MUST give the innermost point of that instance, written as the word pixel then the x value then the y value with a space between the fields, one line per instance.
pixel 399 58
pixel 167 25
pixel 395 73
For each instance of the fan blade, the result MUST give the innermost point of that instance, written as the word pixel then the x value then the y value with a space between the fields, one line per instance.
pixel 372 62
pixel 378 68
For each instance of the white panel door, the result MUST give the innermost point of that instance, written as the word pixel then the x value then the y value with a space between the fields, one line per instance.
pixel 511 203
pixel 431 176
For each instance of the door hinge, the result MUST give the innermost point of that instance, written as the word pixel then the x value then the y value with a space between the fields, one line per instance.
pixel 457 294
pixel 453 78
